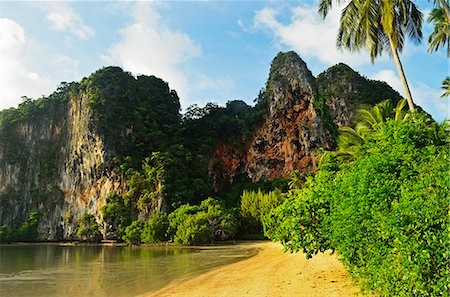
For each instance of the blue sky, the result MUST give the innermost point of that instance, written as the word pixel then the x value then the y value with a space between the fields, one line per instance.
pixel 209 51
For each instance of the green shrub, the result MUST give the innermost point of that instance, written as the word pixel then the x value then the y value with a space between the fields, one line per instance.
pixel 133 233
pixel 390 214
pixel 156 228
pixel 28 230
pixel 255 205
pixel 205 223
pixel 194 230
pixel 300 223
pixel 116 216
pixel 88 229
pixel 6 234
pixel 68 216
pixel 386 213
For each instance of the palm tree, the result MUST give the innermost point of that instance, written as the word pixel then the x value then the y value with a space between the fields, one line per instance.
pixel 441 33
pixel 368 118
pixel 378 26
pixel 444 5
pixel 350 141
pixel 296 180
pixel 446 87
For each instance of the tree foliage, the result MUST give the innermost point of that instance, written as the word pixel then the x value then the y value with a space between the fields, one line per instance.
pixel 378 26
pixel 440 37
pixel 88 229
pixel 156 228
pixel 27 231
pixel 255 205
pixel 385 213
pixel 205 223
pixel 369 119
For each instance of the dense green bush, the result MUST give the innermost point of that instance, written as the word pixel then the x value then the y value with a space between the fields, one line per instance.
pixel 26 232
pixel 300 223
pixel 152 231
pixel 117 215
pixel 88 229
pixel 255 205
pixel 197 224
pixel 204 223
pixel 133 233
pixel 5 234
pixel 156 228
pixel 386 212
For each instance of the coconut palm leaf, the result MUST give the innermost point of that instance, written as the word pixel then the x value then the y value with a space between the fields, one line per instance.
pixel 446 87
pixel 378 26
pixel 440 37
pixel 350 141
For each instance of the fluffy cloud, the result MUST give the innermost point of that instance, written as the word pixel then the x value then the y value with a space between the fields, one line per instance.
pixel 66 66
pixel 63 18
pixel 16 79
pixel 308 34
pixel 423 95
pixel 149 46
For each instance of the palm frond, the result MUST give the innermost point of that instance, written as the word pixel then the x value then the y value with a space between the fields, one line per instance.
pixel 440 37
pixel 446 87
pixel 400 113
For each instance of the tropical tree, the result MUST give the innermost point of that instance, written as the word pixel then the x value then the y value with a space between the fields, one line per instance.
pixel 446 87
pixel 296 180
pixel 378 26
pixel 444 4
pixel 440 37
pixel 350 140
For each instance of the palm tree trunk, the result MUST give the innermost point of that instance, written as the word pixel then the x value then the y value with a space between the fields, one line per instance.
pixel 446 8
pixel 402 75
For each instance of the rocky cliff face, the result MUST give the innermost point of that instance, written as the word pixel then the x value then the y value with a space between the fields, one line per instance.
pixel 344 91
pixel 58 169
pixel 292 131
pixel 57 154
pixel 303 115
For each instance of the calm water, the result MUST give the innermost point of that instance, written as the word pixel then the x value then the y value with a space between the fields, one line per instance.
pixel 52 270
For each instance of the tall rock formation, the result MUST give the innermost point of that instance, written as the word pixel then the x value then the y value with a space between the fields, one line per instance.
pixel 64 155
pixel 303 114
pixel 344 91
pixel 57 153
pixel 293 130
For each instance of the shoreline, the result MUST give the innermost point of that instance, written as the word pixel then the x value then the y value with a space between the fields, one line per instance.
pixel 220 244
pixel 271 273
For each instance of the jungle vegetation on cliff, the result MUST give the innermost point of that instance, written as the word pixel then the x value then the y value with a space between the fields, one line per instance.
pixel 370 182
pixel 385 211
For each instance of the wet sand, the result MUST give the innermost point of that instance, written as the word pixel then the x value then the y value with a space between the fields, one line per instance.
pixel 271 273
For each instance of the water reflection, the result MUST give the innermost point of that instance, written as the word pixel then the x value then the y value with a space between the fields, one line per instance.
pixel 52 270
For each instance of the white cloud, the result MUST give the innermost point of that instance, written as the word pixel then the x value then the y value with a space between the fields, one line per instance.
pixel 67 66
pixel 309 34
pixel 150 46
pixel 423 95
pixel 204 82
pixel 391 78
pixel 63 18
pixel 16 79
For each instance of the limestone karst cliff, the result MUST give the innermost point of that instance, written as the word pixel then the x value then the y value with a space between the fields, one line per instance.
pixel 57 154
pixel 303 115
pixel 66 155
pixel 344 91
pixel 293 129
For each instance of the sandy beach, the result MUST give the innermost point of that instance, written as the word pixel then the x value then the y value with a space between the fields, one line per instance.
pixel 270 273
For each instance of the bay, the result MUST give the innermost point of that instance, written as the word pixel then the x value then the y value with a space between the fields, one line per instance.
pixel 94 270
